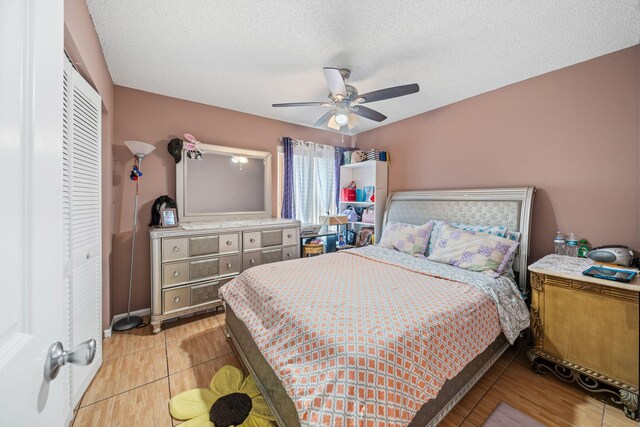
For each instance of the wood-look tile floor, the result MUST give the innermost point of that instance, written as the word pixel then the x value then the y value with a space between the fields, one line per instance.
pixel 141 371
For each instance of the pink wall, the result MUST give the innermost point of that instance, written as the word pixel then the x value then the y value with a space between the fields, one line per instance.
pixel 156 119
pixel 572 133
pixel 82 44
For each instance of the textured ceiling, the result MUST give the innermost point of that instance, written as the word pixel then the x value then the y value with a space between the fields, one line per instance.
pixel 246 55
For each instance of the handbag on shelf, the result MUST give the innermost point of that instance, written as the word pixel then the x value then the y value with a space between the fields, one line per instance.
pixel 368 215
pixel 350 213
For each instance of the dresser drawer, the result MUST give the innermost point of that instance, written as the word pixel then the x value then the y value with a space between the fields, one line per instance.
pixel 229 264
pixel 205 245
pixel 177 272
pixel 290 236
pixel 252 240
pixel 271 238
pixel 203 269
pixel 251 260
pixel 273 255
pixel 175 299
pixel 290 252
pixel 207 292
pixel 228 243
pixel 173 249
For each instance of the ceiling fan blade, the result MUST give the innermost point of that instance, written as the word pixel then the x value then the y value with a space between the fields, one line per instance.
pixel 303 104
pixel 390 92
pixel 335 81
pixel 322 121
pixel 368 113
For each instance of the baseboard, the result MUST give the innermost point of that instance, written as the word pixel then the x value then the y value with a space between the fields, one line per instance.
pixel 139 313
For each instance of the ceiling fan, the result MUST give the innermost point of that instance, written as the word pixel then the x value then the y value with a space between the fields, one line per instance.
pixel 347 102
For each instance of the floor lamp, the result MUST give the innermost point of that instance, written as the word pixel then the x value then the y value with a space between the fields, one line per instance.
pixel 139 150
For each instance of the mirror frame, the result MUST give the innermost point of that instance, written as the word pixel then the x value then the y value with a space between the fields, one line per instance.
pixel 182 195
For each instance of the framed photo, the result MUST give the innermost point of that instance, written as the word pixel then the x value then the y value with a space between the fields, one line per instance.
pixel 168 217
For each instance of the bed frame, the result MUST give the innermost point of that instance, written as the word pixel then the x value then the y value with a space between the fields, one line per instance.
pixel 509 207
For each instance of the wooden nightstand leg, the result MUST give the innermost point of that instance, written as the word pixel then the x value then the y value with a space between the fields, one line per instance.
pixel 630 402
pixel 533 364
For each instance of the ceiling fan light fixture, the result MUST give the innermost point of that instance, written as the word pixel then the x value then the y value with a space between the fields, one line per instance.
pixel 342 116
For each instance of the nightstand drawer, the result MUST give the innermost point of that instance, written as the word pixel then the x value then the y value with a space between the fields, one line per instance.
pixel 173 249
pixel 229 265
pixel 175 299
pixel 177 272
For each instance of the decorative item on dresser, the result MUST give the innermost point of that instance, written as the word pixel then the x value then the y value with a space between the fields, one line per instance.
pixel 585 329
pixel 190 262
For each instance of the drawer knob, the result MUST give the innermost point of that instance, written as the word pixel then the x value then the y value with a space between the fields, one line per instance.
pixel 252 240
pixel 176 273
pixel 252 261
pixel 176 300
pixel 289 236
pixel 289 254
pixel 176 249
pixel 89 255
pixel 228 265
pixel 229 242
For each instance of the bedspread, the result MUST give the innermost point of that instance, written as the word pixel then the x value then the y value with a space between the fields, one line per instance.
pixel 358 338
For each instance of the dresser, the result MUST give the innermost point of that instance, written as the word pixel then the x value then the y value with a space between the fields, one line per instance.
pixel 191 262
pixel 585 329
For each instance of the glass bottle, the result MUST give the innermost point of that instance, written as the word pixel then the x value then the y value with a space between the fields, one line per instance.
pixel 560 244
pixel 572 245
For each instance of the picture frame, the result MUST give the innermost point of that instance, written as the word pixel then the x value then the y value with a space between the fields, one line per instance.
pixel 168 217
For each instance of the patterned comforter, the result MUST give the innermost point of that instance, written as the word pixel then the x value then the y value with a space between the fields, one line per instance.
pixel 367 336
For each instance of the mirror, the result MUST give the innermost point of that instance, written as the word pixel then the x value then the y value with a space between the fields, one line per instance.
pixel 227 183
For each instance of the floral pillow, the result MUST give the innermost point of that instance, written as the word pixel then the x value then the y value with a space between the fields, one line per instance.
pixel 472 250
pixel 407 238
pixel 495 230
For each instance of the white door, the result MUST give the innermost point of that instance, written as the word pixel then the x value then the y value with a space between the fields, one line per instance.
pixel 82 219
pixel 31 253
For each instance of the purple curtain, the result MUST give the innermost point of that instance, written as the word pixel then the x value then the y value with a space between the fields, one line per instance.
pixel 288 207
pixel 339 162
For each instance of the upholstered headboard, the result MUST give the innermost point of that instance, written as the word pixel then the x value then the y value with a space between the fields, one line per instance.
pixel 507 207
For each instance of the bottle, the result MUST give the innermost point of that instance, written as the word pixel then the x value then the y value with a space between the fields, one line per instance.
pixel 572 245
pixel 583 248
pixel 560 245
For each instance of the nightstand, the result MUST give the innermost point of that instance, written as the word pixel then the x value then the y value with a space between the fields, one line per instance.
pixel 585 329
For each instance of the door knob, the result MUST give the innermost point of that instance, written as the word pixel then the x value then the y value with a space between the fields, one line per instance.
pixel 57 357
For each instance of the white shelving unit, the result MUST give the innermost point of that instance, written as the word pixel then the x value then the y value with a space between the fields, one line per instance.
pixel 367 173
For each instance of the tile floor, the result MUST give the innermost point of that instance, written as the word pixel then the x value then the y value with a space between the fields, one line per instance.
pixel 141 371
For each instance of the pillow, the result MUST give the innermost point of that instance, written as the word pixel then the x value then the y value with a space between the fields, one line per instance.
pixel 508 270
pixel 407 238
pixel 473 250
pixel 495 230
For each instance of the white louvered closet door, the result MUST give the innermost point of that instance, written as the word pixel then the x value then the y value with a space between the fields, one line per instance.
pixel 82 218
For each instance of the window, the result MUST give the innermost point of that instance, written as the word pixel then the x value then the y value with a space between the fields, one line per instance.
pixel 313 181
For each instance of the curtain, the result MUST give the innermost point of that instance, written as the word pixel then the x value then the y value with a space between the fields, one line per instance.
pixel 339 161
pixel 313 181
pixel 288 206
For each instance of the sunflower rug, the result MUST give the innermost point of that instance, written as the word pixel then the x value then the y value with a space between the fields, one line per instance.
pixel 230 400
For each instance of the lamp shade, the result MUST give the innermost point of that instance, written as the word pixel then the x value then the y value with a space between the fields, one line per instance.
pixel 334 220
pixel 139 147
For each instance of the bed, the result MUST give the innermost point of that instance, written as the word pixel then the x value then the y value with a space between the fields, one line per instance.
pixel 339 335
